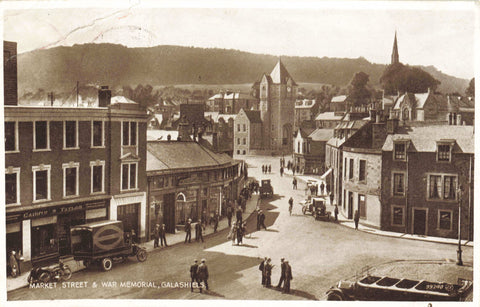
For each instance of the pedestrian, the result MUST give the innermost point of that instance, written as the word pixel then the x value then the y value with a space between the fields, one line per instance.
pixel 163 232
pixel 202 275
pixel 322 186
pixel 198 231
pixel 13 264
pixel 336 213
pixel 356 219
pixel 294 182
pixel 293 170
pixel 232 235
pixel 229 215
pixel 282 274
pixel 298 168
pixel 156 235
pixel 269 168
pixel 261 267
pixel 258 218
pixel 331 199
pixel 290 205
pixel 215 222
pixel 262 220
pixel 239 234
pixel 188 231
pixel 268 273
pixel 263 168
pixel 239 214
pixel 288 277
pixel 327 186
pixel 193 275
pixel 281 171
pixel 244 204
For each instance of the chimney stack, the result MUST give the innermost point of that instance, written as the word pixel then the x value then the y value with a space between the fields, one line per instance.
pixel 184 130
pixel 215 141
pixel 104 96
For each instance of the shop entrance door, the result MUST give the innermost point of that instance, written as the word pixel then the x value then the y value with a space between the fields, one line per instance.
pixel 128 214
pixel 350 205
pixel 419 221
pixel 169 212
pixel 64 222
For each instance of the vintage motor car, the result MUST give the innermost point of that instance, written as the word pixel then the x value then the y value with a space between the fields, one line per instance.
pixel 104 242
pixel 316 206
pixel 266 189
pixel 378 288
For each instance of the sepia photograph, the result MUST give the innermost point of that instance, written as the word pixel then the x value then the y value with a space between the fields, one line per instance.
pixel 256 152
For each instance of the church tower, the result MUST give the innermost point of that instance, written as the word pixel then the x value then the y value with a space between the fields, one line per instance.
pixel 395 59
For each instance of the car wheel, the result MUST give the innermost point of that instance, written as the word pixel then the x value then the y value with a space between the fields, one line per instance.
pixel 142 255
pixel 334 296
pixel 67 273
pixel 44 277
pixel 107 264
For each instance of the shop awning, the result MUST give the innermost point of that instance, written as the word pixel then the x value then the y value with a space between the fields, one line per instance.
pixel 326 173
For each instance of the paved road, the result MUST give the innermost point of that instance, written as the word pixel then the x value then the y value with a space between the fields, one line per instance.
pixel 320 254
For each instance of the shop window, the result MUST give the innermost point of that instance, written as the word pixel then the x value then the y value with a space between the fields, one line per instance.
pixel 12 186
pixel 442 187
pixel 397 216
pixel 97 169
pixel 129 176
pixel 41 135
pixel 398 184
pixel 70 179
pixel 129 133
pixel 70 134
pixel 444 153
pixel 11 136
pixel 399 152
pixel 445 220
pixel 361 170
pixel 41 182
pixel 97 134
pixel 44 240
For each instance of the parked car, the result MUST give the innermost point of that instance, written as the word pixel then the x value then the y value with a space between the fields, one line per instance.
pixel 266 188
pixel 383 288
pixel 103 243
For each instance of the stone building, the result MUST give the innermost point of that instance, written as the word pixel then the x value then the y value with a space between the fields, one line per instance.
pixel 248 129
pixel 309 150
pixel 305 110
pixel 231 102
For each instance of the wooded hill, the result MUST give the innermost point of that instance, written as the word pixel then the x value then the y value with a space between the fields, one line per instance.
pixel 59 68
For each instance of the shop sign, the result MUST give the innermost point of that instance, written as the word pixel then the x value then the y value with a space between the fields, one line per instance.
pixel 53 211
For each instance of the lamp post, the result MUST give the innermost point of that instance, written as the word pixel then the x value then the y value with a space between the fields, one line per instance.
pixel 459 250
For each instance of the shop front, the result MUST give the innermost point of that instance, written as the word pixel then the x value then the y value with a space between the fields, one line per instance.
pixel 131 209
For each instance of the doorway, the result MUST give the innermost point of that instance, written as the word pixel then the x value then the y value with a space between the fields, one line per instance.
pixel 64 222
pixel 350 205
pixel 169 212
pixel 420 221
pixel 128 214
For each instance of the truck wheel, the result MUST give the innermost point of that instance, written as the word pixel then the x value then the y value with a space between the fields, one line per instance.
pixel 107 264
pixel 142 255
pixel 334 296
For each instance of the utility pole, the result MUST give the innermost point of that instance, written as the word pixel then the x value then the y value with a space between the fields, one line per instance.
pixel 459 250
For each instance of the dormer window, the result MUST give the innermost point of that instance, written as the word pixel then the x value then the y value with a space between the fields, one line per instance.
pixel 400 151
pixel 444 151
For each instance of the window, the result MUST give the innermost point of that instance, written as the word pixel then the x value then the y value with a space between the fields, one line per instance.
pixel 350 171
pixel 444 220
pixel 362 208
pixel 345 169
pixel 361 170
pixel 129 176
pixel 442 187
pixel 399 151
pixel 11 136
pixel 244 152
pixel 70 179
pixel 238 141
pixel 41 182
pixel 12 186
pixel 97 134
pixel 244 127
pixel 129 134
pixel 238 152
pixel 397 216
pixel 444 153
pixel 244 141
pixel 238 127
pixel 40 136
pixel 158 182
pixel 70 134
pixel 398 184
pixel 97 174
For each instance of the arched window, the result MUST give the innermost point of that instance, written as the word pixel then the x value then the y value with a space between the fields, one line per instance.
pixel 181 197
pixel 405 115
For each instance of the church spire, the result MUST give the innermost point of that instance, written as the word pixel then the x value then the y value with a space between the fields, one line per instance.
pixel 395 59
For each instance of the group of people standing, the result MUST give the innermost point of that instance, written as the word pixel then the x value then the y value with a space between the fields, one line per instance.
pixel 266 169
pixel 237 232
pixel 199 228
pixel 285 275
pixel 159 235
pixel 199 275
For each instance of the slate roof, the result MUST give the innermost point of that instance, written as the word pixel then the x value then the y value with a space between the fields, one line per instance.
pixel 280 74
pixel 329 116
pixel 321 134
pixel 305 131
pixel 172 155
pixel 424 139
pixel 338 99
pixel 253 116
pixel 121 99
pixel 419 99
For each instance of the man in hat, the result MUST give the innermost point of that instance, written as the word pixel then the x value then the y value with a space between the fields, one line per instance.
pixel 268 273
pixel 163 232
pixel 261 219
pixel 156 236
pixel 261 267
pixel 282 275
pixel 288 277
pixel 193 275
pixel 202 275
pixel 198 231
pixel 188 231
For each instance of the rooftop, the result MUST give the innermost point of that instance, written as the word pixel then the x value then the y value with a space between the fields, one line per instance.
pixel 329 116
pixel 321 134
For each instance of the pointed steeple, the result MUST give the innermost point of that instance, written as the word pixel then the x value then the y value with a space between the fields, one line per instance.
pixel 280 74
pixel 395 58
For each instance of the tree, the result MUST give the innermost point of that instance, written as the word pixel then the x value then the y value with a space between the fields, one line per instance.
pixel 358 93
pixel 401 78
pixel 470 92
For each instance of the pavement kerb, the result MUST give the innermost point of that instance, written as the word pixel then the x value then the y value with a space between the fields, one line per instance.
pixel 349 223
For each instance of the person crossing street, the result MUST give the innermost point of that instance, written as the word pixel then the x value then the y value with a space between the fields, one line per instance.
pixel 290 205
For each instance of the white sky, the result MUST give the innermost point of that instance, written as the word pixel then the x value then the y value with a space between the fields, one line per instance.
pixel 428 33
